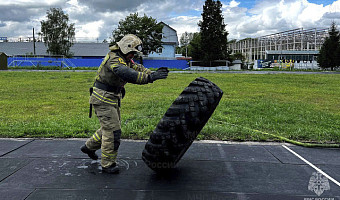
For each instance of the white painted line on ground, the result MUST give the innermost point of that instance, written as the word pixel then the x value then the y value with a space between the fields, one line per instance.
pixel 227 164
pixel 220 149
pixel 313 166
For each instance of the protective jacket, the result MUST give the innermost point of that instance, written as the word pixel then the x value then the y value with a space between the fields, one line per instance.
pixel 113 73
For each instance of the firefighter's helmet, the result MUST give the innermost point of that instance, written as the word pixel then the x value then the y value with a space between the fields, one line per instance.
pixel 130 43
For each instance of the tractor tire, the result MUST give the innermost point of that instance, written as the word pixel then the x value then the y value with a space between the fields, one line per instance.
pixel 181 124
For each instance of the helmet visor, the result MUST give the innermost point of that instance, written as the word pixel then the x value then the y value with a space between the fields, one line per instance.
pixel 139 47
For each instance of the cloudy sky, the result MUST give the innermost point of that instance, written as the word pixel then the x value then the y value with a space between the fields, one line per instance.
pixel 96 19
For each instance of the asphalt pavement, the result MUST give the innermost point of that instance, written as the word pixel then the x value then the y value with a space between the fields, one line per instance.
pixel 210 170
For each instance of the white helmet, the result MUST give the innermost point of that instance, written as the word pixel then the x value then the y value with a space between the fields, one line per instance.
pixel 130 43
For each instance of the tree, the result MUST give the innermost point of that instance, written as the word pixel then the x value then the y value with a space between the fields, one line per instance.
pixel 57 34
pixel 184 42
pixel 213 33
pixel 194 48
pixel 237 56
pixel 186 38
pixel 329 56
pixel 146 28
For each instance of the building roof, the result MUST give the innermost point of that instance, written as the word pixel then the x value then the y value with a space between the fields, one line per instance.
pixel 169 35
pixel 164 24
pixel 79 49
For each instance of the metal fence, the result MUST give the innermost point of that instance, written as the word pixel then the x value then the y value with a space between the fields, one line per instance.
pixel 36 61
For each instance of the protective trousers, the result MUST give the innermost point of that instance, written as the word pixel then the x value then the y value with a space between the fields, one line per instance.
pixel 108 136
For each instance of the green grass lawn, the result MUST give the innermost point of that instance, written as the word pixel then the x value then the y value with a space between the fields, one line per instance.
pixel 55 104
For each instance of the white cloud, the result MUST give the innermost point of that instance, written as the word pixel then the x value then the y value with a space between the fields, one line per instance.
pixel 234 3
pixel 89 30
pixel 100 18
pixel 184 24
pixel 74 8
pixel 334 7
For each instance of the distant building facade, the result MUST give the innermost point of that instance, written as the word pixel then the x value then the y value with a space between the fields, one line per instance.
pixel 169 44
pixel 297 44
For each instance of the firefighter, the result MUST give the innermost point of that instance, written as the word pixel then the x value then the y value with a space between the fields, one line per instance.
pixel 115 71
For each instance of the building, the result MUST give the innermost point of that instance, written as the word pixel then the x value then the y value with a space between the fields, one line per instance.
pixel 297 44
pixel 169 44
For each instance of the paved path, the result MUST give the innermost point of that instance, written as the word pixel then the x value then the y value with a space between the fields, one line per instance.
pixel 56 169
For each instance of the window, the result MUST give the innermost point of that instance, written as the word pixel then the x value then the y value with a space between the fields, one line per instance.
pixel 159 50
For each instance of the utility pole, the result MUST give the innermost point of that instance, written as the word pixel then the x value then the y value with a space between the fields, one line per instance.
pixel 33 43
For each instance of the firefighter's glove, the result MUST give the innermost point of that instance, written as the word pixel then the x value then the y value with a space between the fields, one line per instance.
pixel 161 73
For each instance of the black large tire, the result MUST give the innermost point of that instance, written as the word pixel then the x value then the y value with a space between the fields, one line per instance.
pixel 181 124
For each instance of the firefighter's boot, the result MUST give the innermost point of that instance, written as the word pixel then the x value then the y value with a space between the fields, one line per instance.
pixel 91 153
pixel 113 169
